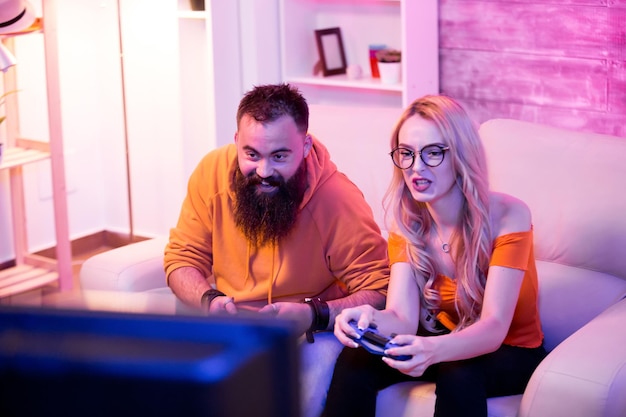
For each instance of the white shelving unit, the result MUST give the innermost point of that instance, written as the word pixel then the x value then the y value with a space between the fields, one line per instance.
pixel 32 271
pixel 408 25
pixel 354 118
pixel 209 73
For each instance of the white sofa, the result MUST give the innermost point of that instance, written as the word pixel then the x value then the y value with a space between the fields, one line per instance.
pixel 573 183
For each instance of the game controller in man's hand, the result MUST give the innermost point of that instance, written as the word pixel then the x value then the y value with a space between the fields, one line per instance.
pixel 376 343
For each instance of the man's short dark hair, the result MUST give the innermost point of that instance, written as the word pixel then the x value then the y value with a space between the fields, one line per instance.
pixel 266 103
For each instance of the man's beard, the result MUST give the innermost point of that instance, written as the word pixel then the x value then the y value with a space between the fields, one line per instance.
pixel 268 217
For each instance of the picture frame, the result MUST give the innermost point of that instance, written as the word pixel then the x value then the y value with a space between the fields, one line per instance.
pixel 330 48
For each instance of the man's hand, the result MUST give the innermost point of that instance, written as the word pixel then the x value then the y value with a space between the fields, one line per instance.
pixel 223 305
pixel 299 312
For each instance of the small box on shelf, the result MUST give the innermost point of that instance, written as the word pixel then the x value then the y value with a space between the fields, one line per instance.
pixel 373 49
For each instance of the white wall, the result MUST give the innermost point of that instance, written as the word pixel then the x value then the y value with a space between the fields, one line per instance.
pixel 259 42
pixel 358 142
pixel 152 86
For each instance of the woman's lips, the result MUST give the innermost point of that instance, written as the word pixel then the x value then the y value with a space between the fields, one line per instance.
pixel 421 184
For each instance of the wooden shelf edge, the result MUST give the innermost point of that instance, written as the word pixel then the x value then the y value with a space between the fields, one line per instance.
pixel 28 152
pixel 37 145
pixel 22 278
pixel 42 262
pixel 192 14
pixel 344 82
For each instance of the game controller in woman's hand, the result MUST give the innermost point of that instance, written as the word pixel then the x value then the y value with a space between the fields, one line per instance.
pixel 376 343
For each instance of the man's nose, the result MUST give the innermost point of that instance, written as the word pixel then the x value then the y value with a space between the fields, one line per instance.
pixel 264 169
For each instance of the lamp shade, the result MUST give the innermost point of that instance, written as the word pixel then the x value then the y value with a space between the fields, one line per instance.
pixel 15 15
pixel 7 59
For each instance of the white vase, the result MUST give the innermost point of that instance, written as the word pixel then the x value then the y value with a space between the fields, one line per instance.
pixel 390 72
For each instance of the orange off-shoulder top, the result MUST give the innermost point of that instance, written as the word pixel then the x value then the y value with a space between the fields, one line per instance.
pixel 513 250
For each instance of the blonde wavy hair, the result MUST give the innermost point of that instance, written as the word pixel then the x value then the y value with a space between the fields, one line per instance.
pixel 471 239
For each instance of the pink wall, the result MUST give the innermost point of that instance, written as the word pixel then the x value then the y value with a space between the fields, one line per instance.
pixel 557 62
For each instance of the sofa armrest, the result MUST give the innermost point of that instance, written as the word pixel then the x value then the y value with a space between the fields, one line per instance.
pixel 585 375
pixel 131 268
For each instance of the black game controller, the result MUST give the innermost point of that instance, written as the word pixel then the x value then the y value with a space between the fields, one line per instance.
pixel 376 343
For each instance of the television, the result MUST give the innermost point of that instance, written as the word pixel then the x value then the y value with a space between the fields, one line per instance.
pixel 56 362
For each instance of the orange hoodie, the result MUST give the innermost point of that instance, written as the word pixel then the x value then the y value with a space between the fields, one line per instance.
pixel 334 249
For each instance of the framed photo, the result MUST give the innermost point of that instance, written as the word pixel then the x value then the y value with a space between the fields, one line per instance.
pixel 330 48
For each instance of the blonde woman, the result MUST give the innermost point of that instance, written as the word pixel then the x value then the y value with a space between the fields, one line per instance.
pixel 462 296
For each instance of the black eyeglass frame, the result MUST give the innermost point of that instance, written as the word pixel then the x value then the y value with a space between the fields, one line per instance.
pixel 442 148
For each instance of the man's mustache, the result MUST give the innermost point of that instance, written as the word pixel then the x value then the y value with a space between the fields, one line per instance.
pixel 274 181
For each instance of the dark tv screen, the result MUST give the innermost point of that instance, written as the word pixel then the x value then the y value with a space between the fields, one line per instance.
pixel 83 363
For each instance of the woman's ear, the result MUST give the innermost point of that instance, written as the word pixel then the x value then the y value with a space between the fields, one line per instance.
pixel 308 144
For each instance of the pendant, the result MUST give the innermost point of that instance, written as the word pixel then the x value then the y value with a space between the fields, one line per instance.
pixel 445 247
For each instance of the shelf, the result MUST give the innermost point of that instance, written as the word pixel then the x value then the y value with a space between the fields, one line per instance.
pixel 22 278
pixel 188 14
pixel 30 273
pixel 407 25
pixel 18 156
pixel 361 22
pixel 345 82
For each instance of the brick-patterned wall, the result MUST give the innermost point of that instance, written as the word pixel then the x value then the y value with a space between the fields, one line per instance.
pixel 557 62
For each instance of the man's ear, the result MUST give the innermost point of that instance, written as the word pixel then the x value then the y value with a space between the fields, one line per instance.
pixel 308 144
pixel 235 137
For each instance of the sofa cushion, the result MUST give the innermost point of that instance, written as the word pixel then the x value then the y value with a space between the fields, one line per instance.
pixel 417 399
pixel 134 267
pixel 586 374
pixel 567 300
pixel 567 179
pixel 406 399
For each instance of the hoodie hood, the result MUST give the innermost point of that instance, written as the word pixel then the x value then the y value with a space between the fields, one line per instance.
pixel 319 168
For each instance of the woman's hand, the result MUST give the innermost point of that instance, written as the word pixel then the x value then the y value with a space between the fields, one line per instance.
pixel 363 315
pixel 421 349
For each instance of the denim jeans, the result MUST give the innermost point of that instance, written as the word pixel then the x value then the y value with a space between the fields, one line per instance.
pixel 317 361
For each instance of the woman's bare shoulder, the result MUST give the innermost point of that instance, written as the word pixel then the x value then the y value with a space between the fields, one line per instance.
pixel 509 214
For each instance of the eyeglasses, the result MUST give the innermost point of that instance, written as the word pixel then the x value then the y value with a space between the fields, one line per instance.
pixel 432 155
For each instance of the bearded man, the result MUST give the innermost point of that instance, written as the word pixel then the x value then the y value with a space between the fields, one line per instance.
pixel 269 224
